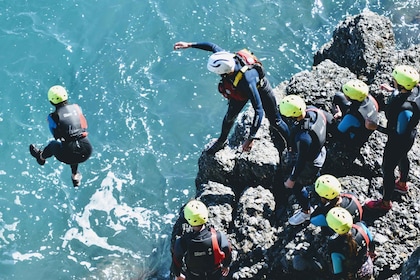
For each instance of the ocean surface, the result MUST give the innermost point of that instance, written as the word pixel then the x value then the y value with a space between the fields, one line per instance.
pixel 151 110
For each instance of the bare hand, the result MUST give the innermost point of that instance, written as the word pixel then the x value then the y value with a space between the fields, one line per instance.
pixel 247 145
pixel 182 45
pixel 289 184
pixel 180 277
pixel 338 113
pixel 387 87
pixel 225 271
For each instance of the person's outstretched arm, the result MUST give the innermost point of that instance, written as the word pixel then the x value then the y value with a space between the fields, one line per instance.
pixel 207 46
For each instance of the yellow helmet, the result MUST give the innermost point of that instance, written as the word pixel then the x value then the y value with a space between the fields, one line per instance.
pixel 356 90
pixel 57 94
pixel 327 186
pixel 196 213
pixel 292 106
pixel 339 220
pixel 406 76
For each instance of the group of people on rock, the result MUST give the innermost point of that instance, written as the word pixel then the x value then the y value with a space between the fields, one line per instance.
pixel 301 130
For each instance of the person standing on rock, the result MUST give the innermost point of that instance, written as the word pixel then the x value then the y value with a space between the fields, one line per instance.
pixel 358 113
pixel 353 249
pixel 68 125
pixel 307 138
pixel 403 114
pixel 242 78
pixel 204 252
pixel 328 189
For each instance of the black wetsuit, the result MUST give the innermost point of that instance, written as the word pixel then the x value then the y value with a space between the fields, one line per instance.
pixel 260 93
pixel 68 125
pixel 195 251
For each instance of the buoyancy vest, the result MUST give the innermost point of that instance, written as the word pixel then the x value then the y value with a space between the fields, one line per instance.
pixel 316 126
pixel 228 84
pixel 71 124
pixel 354 207
pixel 400 102
pixel 368 109
pixel 203 251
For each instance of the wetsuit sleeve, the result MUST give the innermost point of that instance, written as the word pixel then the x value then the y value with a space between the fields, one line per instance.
pixel 403 120
pixel 303 143
pixel 226 248
pixel 177 257
pixel 347 123
pixel 252 78
pixel 52 124
pixel 207 46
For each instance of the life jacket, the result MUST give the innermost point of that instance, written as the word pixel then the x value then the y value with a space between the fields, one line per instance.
pixel 318 126
pixel 401 102
pixel 204 251
pixel 72 124
pixel 368 109
pixel 364 248
pixel 228 84
pixel 354 207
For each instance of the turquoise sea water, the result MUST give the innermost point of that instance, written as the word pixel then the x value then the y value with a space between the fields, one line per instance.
pixel 150 109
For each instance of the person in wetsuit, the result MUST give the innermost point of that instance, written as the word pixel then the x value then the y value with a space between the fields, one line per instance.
pixel 307 138
pixel 358 113
pixel 253 86
pixel 204 253
pixel 328 189
pixel 402 113
pixel 351 251
pixel 68 125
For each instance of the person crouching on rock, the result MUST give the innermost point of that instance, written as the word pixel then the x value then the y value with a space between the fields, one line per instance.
pixel 328 189
pixel 307 138
pixel 358 114
pixel 205 252
pixel 69 127
pixel 352 249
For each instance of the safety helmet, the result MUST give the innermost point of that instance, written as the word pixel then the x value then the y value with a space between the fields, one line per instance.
pixel 327 186
pixel 57 94
pixel 356 90
pixel 196 213
pixel 292 106
pixel 221 63
pixel 406 76
pixel 339 220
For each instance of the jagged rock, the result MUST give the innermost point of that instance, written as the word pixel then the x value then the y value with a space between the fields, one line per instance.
pixel 240 187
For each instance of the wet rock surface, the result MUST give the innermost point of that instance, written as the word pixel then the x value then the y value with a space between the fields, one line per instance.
pixel 241 189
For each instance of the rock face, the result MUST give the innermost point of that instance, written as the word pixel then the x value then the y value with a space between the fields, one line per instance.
pixel 240 188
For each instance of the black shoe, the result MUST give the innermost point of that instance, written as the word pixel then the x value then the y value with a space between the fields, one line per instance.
pixel 36 153
pixel 217 146
pixel 76 178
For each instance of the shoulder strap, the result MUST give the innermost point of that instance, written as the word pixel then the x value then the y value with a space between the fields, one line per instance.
pixel 359 206
pixel 239 75
pixel 363 233
pixel 219 255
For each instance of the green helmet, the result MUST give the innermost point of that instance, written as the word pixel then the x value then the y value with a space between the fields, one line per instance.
pixel 339 220
pixel 327 186
pixel 57 94
pixel 292 106
pixel 196 213
pixel 356 90
pixel 406 76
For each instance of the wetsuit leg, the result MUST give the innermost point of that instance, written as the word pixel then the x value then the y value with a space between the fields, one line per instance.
pixel 234 109
pixel 395 153
pixel 52 149
pixel 273 115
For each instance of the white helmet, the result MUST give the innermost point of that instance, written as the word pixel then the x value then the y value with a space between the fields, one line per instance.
pixel 221 63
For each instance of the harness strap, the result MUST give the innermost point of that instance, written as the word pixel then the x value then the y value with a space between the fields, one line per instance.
pixel 363 233
pixel 239 75
pixel 219 255
pixel 359 206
